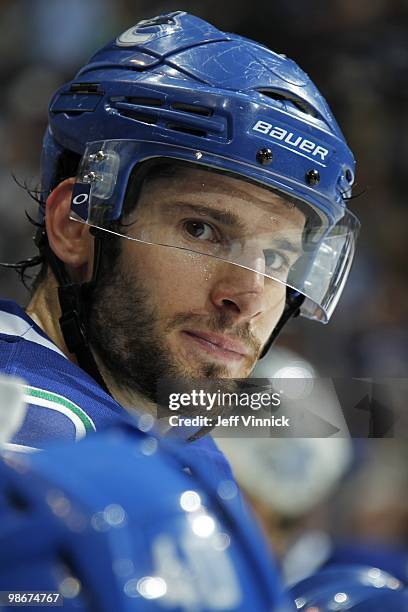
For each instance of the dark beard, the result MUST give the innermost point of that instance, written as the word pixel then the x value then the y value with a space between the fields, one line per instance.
pixel 124 331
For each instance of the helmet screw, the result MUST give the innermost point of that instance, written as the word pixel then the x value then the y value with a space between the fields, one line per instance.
pixel 313 177
pixel 99 156
pixel 91 177
pixel 264 156
pixel 198 155
pixel 349 175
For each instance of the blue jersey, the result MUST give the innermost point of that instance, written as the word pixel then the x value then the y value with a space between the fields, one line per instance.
pixel 64 403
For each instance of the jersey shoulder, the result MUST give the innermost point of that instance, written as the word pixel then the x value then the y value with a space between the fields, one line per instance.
pixel 63 402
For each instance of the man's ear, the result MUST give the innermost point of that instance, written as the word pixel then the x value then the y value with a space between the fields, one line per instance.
pixel 69 240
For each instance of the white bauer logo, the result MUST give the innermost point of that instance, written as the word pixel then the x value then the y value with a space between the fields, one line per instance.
pixel 298 142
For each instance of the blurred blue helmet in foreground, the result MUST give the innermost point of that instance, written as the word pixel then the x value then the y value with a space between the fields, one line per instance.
pixel 354 587
pixel 387 556
pixel 114 523
pixel 176 88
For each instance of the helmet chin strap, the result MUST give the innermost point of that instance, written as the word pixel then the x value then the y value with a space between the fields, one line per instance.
pixel 72 297
pixel 294 301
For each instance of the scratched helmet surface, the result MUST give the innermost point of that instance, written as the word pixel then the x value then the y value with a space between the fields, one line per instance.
pixel 175 87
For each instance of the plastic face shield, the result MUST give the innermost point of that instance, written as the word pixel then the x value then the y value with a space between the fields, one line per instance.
pixel 187 207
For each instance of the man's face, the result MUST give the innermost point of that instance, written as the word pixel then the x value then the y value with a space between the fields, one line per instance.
pixel 176 312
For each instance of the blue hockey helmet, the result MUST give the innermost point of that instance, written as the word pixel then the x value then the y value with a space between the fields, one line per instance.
pixel 355 598
pixel 176 88
pixel 114 523
pixel 390 557
pixel 353 587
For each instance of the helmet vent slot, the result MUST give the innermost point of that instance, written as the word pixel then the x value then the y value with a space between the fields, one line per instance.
pixel 73 113
pixel 190 108
pixel 143 101
pixel 184 117
pixel 301 105
pixel 186 129
pixel 138 116
pixel 85 88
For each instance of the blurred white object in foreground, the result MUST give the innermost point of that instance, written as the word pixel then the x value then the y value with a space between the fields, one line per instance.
pixel 12 409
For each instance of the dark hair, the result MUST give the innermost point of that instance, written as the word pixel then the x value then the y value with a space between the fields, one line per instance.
pixel 67 166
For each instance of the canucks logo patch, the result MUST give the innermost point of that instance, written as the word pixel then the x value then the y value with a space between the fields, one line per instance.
pixel 148 29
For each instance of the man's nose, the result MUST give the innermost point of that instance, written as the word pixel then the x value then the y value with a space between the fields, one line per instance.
pixel 240 292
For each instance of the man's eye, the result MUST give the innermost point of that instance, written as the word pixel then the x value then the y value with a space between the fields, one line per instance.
pixel 200 230
pixel 274 260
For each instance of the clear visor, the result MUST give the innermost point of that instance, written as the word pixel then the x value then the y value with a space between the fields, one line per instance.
pixel 222 216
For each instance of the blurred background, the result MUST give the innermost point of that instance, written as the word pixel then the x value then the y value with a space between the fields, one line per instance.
pixel 357 54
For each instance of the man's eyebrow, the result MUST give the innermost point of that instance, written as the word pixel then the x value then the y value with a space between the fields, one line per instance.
pixel 225 217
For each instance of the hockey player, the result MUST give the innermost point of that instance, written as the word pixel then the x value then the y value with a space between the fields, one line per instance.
pixel 194 190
